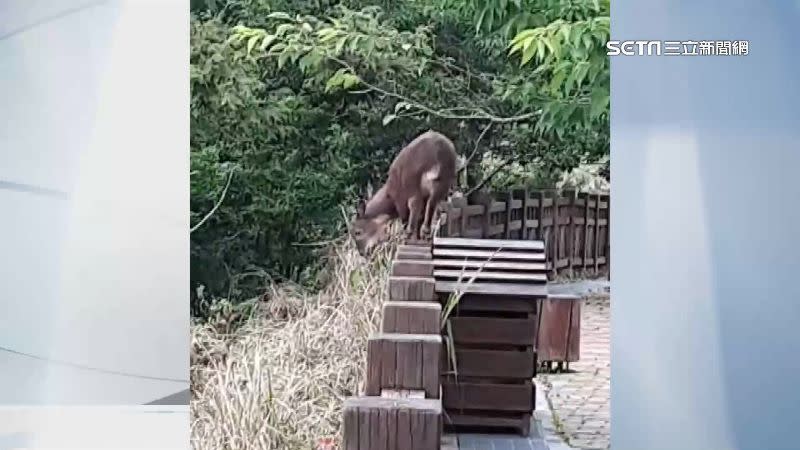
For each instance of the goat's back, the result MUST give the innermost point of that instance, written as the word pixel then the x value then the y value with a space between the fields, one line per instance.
pixel 430 150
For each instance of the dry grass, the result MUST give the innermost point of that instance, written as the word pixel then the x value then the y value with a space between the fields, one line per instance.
pixel 278 380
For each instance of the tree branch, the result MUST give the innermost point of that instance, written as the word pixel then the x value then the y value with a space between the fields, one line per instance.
pixel 481 115
pixel 489 177
pixel 214 209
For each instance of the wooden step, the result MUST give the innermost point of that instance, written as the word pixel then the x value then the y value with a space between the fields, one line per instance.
pixel 412 268
pixel 411 317
pixel 403 362
pixel 421 289
pixel 376 423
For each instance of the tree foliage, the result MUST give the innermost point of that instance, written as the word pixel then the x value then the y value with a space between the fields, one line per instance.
pixel 297 104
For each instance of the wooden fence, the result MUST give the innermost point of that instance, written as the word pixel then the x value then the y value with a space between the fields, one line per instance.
pixel 574 226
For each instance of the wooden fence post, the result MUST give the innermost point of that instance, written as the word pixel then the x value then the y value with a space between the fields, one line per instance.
pixel 585 230
pixel 597 234
pixel 570 232
pixel 556 231
pixel 509 210
pixel 523 231
pixel 608 236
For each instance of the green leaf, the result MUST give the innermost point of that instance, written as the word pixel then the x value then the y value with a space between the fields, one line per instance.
pixel 340 45
pixel 252 43
pixel 283 58
pixel 540 50
pixel 279 16
pixel 268 39
pixel 388 119
pixel 349 80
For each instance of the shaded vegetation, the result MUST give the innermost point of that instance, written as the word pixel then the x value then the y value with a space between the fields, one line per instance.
pixel 298 104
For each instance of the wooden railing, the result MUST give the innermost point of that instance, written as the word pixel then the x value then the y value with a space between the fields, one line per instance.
pixel 574 226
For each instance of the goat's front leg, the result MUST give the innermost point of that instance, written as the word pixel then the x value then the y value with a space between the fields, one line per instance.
pixel 415 211
pixel 430 210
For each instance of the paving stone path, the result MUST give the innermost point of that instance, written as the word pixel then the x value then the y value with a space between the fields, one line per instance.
pixel 580 399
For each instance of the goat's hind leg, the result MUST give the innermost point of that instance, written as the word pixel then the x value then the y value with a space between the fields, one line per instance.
pixel 430 210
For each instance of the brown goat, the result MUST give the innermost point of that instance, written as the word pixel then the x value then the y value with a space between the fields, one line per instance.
pixel 419 178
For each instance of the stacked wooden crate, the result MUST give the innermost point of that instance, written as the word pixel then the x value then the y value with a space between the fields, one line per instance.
pixel 401 407
pixel 490 361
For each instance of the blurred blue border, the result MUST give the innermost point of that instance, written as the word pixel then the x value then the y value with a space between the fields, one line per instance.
pixel 706 348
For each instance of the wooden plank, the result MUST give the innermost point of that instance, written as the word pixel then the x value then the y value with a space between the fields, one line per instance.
pixel 377 440
pixel 403 362
pixel 597 235
pixel 411 289
pixel 409 365
pixel 430 370
pixel 412 254
pixel 523 234
pixel 474 302
pixel 570 231
pixel 520 422
pixel 574 336
pixel 555 242
pixel 488 396
pixel 391 425
pixel 375 351
pixel 411 317
pixel 387 365
pixel 466 275
pixel 350 431
pixel 493 330
pixel 364 427
pixel 495 363
pixel 489 243
pixel 494 255
pixel 553 329
pixel 508 211
pixel 412 267
pixel 585 230
pixel 495 265
pixel 520 290
pixel 404 441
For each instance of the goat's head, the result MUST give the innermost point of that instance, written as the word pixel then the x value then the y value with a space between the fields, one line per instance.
pixel 368 232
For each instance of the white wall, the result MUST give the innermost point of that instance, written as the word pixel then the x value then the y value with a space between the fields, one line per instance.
pixel 94 200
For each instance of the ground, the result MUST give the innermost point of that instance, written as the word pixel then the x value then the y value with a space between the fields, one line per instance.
pixel 579 400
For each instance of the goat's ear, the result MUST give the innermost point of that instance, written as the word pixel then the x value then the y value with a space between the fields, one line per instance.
pixel 360 208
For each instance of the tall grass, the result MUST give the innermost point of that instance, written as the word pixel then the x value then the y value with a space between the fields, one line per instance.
pixel 278 381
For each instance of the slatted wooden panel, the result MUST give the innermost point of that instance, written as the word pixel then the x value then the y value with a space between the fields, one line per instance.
pixel 376 423
pixel 490 266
